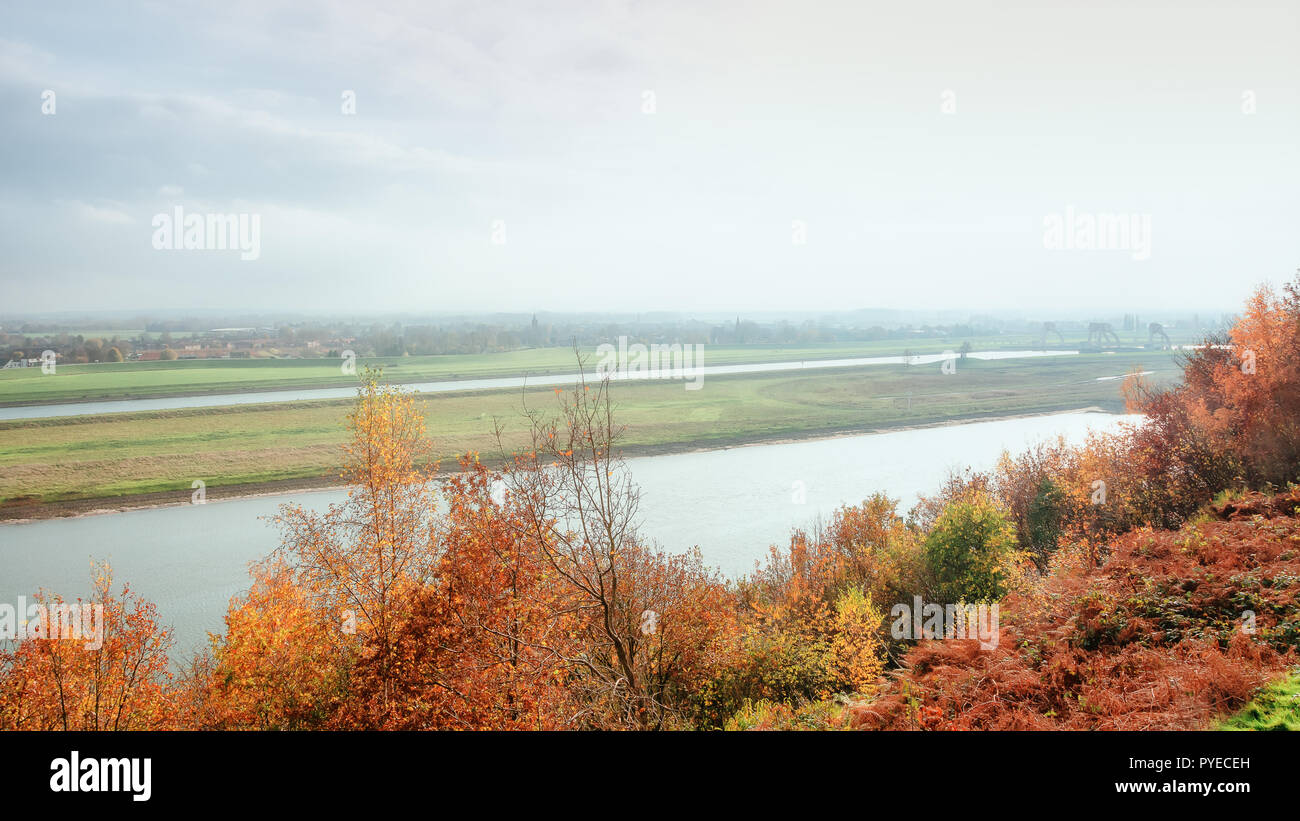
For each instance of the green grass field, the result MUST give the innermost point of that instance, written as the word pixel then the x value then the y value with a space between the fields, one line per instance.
pixel 123 454
pixel 1277 707
pixel 125 380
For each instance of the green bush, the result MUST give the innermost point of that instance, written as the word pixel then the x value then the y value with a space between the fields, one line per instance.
pixel 971 549
pixel 1043 518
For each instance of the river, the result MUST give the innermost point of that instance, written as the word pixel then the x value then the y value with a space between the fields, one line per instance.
pixel 733 503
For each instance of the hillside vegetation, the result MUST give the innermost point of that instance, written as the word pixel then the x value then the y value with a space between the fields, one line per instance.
pixel 1154 639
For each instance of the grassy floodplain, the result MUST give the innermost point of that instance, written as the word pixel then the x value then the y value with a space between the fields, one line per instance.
pixel 137 380
pixel 119 455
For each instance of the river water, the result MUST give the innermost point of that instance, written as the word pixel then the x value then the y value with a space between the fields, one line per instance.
pixel 732 503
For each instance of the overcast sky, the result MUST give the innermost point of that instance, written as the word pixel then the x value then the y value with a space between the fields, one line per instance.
pixel 694 155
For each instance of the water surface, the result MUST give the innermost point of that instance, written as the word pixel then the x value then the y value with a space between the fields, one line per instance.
pixel 733 503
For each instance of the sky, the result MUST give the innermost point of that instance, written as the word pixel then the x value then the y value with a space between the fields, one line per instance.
pixel 646 156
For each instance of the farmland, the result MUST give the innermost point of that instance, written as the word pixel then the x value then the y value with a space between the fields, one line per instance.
pixel 127 380
pixel 121 455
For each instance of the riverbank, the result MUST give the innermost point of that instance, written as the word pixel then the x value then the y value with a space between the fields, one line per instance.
pixel 73 461
pixel 19 511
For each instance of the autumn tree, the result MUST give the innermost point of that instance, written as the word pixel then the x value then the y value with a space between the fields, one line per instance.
pixel 644 621
pixel 1235 419
pixel 809 625
pixel 115 678
pixel 362 558
pixel 682 618
pixel 282 663
pixel 475 648
pixel 856 654
pixel 877 549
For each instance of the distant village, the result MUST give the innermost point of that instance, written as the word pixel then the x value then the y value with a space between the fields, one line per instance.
pixel 26 350
pixel 22 345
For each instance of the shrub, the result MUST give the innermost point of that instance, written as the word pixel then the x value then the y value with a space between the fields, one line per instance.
pixel 776 715
pixel 856 653
pixel 971 550
pixel 1154 639
pixel 1043 519
pixel 876 550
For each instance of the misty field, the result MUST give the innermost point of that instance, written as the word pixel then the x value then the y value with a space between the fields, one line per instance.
pixel 126 380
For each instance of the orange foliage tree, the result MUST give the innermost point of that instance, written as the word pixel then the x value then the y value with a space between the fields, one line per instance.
pixel 476 649
pixel 877 549
pixel 115 678
pixel 1234 421
pixel 282 663
pixel 361 559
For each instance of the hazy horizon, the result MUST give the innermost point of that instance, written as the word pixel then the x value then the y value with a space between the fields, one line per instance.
pixel 701 158
pixel 896 316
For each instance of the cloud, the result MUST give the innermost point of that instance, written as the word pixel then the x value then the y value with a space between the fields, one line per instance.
pixel 767 113
pixel 23 63
pixel 106 214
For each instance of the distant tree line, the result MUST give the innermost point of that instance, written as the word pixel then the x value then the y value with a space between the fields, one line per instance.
pixel 498 333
